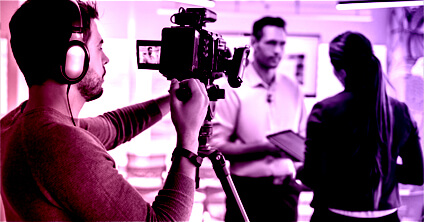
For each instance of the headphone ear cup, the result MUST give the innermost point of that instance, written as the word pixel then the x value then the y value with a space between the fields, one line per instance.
pixel 76 62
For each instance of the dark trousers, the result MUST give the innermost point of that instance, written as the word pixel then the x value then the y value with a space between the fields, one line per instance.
pixel 263 200
pixel 329 216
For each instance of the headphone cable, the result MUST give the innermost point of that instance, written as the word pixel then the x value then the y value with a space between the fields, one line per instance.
pixel 69 105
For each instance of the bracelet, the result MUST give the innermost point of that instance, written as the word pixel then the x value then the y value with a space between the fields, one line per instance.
pixel 194 159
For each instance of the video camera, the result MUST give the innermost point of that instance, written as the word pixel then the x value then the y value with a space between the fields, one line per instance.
pixel 188 51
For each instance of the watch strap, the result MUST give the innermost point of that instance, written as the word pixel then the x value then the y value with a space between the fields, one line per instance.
pixel 192 157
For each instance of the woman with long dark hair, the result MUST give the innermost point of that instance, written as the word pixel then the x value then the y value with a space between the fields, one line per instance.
pixel 354 139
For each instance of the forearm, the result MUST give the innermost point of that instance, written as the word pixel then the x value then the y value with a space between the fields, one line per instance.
pixel 411 174
pixel 412 167
pixel 163 103
pixel 182 167
pixel 181 164
pixel 175 201
pixel 132 120
pixel 116 127
pixel 309 172
pixel 139 117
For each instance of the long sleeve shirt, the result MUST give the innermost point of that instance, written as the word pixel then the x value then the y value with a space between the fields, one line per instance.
pixel 337 157
pixel 52 170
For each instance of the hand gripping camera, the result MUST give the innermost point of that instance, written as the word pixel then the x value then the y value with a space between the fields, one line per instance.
pixel 189 51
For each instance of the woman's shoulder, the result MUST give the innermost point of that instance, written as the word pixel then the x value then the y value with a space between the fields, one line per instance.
pixel 339 100
pixel 401 111
pixel 395 103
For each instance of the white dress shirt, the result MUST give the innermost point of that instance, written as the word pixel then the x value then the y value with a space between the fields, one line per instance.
pixel 255 110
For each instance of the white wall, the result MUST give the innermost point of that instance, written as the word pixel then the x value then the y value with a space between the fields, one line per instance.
pixel 312 17
pixel 122 22
pixel 130 20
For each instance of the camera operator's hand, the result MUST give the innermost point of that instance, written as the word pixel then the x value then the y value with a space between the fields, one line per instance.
pixel 188 116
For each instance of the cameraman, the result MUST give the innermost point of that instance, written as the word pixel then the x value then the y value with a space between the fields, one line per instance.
pixel 266 103
pixel 55 167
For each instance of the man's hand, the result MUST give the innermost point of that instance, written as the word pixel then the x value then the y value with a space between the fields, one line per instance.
pixel 188 116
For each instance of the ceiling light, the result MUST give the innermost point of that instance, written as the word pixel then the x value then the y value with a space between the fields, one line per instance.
pixel 355 5
pixel 201 3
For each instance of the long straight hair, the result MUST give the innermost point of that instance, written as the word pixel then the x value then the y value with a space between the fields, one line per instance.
pixel 353 53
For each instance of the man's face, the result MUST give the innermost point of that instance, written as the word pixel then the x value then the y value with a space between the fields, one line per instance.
pixel 90 86
pixel 269 50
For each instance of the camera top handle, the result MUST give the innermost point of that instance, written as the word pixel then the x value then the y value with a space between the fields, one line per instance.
pixel 194 17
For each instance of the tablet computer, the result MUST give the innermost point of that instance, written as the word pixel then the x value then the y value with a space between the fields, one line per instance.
pixel 290 142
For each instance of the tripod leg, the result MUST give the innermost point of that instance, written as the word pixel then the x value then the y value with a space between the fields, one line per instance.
pixel 218 163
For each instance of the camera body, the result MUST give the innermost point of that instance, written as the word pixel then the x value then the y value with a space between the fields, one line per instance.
pixel 189 51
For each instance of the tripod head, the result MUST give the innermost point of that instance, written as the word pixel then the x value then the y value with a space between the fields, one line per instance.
pixel 214 93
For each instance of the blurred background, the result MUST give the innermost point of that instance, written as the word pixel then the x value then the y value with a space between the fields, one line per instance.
pixel 396 32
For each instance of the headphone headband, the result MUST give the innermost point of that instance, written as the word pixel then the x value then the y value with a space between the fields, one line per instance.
pixel 78 23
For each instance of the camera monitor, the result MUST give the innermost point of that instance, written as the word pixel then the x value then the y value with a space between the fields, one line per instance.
pixel 148 54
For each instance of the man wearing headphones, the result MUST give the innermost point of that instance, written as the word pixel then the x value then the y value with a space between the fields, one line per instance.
pixel 55 167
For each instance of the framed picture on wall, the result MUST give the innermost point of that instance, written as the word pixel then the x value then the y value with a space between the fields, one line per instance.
pixel 300 57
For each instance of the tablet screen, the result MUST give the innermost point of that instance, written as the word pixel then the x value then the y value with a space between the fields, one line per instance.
pixel 292 143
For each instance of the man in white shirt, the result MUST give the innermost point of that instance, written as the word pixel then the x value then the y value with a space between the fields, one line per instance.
pixel 265 103
pixel 150 57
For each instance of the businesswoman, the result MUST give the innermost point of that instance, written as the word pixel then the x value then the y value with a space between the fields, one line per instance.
pixel 354 139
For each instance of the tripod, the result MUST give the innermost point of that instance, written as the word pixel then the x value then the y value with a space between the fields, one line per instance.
pixel 217 159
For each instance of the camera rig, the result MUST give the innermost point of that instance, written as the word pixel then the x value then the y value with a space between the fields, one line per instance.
pixel 189 51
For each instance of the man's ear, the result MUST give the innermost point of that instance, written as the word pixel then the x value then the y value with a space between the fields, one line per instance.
pixel 253 40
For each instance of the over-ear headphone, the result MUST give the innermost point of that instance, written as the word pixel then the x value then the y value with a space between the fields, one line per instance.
pixel 77 58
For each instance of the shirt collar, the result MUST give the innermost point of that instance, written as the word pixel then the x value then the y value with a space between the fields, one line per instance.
pixel 252 78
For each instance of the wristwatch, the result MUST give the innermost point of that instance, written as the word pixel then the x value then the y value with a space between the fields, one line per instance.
pixel 181 152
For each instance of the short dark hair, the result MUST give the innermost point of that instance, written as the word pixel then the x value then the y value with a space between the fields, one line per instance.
pixel 40 31
pixel 261 23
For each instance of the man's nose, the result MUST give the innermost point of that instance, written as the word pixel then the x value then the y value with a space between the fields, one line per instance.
pixel 105 59
pixel 278 50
